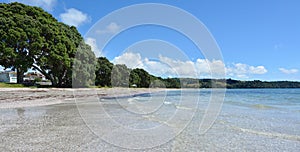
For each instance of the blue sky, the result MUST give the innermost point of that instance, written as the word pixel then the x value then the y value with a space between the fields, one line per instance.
pixel 258 39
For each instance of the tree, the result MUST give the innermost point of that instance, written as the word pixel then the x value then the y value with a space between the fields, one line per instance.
pixel 56 61
pixel 84 65
pixel 120 76
pixel 172 82
pixel 103 72
pixel 31 37
pixel 140 77
pixel 19 34
pixel 134 78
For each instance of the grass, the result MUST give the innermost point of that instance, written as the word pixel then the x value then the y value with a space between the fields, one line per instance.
pixel 12 85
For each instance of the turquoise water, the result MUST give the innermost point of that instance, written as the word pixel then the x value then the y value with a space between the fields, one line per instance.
pixel 250 119
pixel 270 112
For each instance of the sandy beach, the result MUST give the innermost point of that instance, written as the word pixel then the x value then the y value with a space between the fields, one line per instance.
pixel 48 119
pixel 30 97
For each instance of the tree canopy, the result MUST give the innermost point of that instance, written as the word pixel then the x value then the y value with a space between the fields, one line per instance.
pixel 140 77
pixel 31 37
pixel 103 72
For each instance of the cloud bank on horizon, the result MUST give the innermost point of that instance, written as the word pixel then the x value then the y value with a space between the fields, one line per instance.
pixel 201 68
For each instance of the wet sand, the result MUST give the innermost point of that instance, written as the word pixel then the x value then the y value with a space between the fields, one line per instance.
pixel 49 120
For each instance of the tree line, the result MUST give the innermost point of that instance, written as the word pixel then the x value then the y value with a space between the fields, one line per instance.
pixel 110 75
pixel 31 38
pixel 233 84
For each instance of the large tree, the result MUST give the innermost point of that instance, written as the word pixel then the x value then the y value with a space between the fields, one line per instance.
pixel 31 37
pixel 19 36
pixel 65 45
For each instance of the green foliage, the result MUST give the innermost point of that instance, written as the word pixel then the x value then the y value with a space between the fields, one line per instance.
pixel 134 79
pixel 172 82
pixel 120 76
pixel 11 85
pixel 261 84
pixel 19 36
pixel 157 83
pixel 103 72
pixel 83 73
pixel 57 59
pixel 31 37
pixel 140 77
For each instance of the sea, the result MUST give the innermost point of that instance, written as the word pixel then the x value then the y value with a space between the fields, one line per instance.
pixel 210 120
pixel 169 120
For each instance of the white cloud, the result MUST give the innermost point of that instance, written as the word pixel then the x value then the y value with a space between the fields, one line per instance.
pixel 74 17
pixel 45 4
pixel 165 66
pixel 207 67
pixel 93 43
pixel 200 68
pixel 289 71
pixel 132 60
pixel 257 70
pixel 241 70
pixel 179 68
pixel 158 68
pixel 112 28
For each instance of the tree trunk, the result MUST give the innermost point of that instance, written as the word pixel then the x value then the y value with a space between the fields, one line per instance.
pixel 53 81
pixel 47 75
pixel 20 76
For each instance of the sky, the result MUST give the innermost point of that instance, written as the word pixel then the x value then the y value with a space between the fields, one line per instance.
pixel 253 40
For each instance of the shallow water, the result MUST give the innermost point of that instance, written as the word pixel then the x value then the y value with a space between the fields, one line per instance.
pixel 250 120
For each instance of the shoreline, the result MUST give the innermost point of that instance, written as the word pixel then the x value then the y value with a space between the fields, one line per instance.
pixel 33 97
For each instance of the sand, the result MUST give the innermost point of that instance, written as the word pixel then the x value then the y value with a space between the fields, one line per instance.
pixel 30 97
pixel 49 120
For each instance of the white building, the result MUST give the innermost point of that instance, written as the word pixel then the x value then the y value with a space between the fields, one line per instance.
pixel 31 76
pixel 8 76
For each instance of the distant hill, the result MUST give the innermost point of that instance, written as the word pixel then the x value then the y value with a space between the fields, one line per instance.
pixel 232 84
